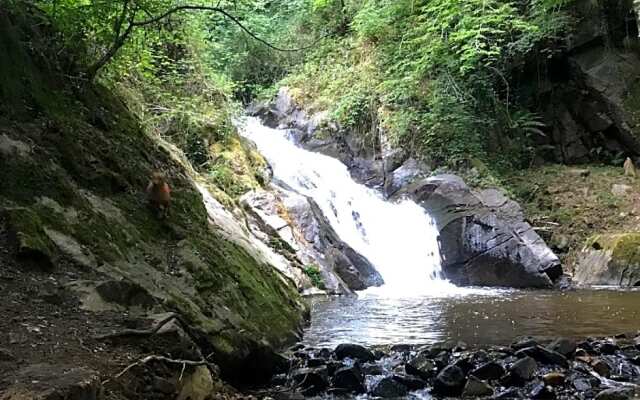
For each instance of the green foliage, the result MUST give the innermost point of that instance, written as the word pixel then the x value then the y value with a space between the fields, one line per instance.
pixel 181 75
pixel 313 272
pixel 436 75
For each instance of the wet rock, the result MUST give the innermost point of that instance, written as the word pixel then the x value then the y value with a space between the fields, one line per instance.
pixel 311 380
pixel 523 343
pixel 465 364
pixel 608 348
pixel 408 172
pixel 554 378
pixel 581 384
pixel 542 392
pixel 333 366
pixel 350 379
pixel 372 369
pixel 476 388
pixel 615 394
pixel 411 382
pixel 421 366
pixel 279 380
pixel 564 346
pixel 511 393
pixel 324 353
pixel 544 356
pixel 489 371
pixel 297 347
pixel 389 388
pixel 354 351
pixel 379 354
pixel 288 395
pixel 523 370
pixel 484 239
pixel 401 348
pixel 587 346
pixel 449 382
pixel 353 268
pixel 316 362
pixel 442 360
pixel 601 368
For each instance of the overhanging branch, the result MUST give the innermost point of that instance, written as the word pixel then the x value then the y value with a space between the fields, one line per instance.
pixel 218 10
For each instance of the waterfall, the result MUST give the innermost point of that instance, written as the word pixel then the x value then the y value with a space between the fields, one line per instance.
pixel 399 239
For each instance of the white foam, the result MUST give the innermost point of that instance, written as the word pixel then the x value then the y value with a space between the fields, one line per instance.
pixel 400 239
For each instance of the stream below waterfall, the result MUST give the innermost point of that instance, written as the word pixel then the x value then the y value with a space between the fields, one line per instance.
pixel 416 305
pixel 486 317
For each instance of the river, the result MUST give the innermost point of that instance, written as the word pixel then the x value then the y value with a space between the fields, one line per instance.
pixel 416 304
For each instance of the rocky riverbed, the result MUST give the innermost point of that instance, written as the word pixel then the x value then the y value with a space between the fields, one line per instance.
pixel 564 368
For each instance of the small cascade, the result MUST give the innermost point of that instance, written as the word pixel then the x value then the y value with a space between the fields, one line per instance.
pixel 399 239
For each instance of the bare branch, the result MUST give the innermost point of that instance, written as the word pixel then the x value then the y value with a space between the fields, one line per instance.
pixel 120 39
pixel 212 367
pixel 218 10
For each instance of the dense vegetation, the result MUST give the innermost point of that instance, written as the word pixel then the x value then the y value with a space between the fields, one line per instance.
pixel 438 76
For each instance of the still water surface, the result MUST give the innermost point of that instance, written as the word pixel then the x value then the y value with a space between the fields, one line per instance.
pixel 481 318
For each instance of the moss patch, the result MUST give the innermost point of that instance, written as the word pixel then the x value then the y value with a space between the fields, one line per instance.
pixel 91 156
pixel 624 247
pixel 568 207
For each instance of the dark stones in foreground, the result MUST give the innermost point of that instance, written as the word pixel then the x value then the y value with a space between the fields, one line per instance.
pixel 354 351
pixel 389 388
pixel 489 371
pixel 528 369
pixel 350 379
pixel 449 382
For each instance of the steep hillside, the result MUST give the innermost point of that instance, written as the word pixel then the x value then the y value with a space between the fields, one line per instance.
pixel 82 255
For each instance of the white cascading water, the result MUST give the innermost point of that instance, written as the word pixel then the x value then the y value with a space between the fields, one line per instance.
pixel 399 239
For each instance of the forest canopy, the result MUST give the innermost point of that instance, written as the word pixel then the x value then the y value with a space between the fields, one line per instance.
pixel 438 76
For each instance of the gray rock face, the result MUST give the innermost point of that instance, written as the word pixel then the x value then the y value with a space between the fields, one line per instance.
pixel 405 174
pixel 356 271
pixel 609 259
pixel 484 239
pixel 586 105
pixel 306 237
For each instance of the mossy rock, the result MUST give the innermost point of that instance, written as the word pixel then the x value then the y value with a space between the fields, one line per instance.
pixel 91 161
pixel 610 259
pixel 31 240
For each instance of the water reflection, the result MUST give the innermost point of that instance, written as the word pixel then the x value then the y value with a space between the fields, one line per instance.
pixel 483 317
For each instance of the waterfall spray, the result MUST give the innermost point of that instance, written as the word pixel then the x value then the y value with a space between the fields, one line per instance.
pixel 399 239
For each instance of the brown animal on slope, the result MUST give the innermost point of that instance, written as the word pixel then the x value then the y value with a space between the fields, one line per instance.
pixel 159 194
pixel 629 168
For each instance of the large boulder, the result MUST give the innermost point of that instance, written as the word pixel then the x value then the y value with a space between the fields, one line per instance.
pixel 484 238
pixel 612 259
